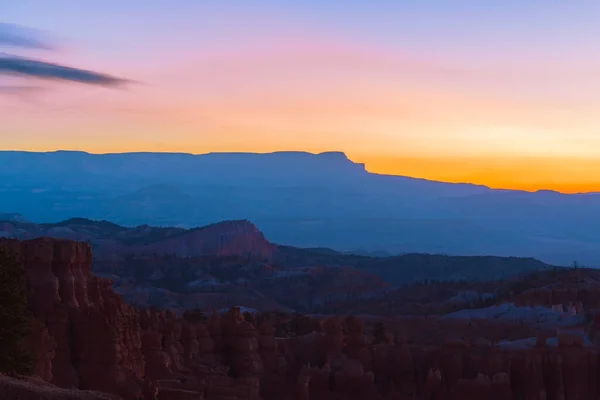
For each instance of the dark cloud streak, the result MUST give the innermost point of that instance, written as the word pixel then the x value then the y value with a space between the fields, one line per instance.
pixel 16 36
pixel 43 70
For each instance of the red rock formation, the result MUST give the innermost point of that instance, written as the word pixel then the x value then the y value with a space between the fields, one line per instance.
pixel 314 383
pixel 206 344
pixel 273 380
pixel 332 342
pixel 214 329
pixel 401 366
pixel 157 362
pixel 458 370
pixel 352 382
pixel 97 336
pixel 357 345
pixel 179 357
pixel 240 345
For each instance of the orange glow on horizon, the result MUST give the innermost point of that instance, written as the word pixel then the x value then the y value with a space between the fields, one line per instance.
pixel 498 110
pixel 562 174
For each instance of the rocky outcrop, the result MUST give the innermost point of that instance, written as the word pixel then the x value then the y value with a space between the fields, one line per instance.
pixel 85 337
pixel 221 239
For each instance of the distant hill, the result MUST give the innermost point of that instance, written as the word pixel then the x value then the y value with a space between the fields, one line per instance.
pixel 241 239
pixel 305 200
pixel 13 217
pixel 411 268
pixel 428 267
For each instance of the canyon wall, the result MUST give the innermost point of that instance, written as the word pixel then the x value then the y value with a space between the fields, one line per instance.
pixel 85 337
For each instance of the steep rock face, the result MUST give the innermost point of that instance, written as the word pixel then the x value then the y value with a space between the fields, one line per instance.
pixel 96 336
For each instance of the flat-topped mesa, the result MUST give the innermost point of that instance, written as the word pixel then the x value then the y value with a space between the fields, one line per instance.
pixel 97 336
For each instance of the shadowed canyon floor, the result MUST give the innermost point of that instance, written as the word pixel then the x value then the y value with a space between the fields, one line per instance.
pixel 534 336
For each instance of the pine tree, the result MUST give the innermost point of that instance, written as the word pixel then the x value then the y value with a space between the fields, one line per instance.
pixel 248 317
pixel 301 325
pixel 380 333
pixel 194 316
pixel 14 322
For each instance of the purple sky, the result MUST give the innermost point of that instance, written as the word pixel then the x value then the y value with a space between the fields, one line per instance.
pixel 439 89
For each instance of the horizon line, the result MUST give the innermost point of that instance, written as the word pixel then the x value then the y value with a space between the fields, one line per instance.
pixel 329 152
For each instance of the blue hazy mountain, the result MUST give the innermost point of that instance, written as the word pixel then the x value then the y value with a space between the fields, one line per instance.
pixel 302 199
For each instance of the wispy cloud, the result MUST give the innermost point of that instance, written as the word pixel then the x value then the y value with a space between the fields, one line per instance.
pixel 17 36
pixel 44 70
pixel 18 90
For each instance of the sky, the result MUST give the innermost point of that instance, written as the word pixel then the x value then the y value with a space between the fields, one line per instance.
pixel 498 92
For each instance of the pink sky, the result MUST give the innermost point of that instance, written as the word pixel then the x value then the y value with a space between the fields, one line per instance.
pixel 411 95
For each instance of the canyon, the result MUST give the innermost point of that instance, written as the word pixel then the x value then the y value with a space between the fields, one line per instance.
pixel 233 263
pixel 304 200
pixel 85 337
